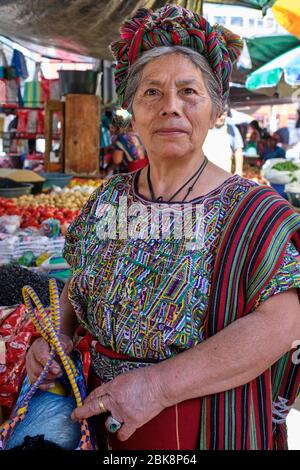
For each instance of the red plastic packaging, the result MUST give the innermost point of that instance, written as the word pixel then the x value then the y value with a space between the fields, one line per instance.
pixel 16 334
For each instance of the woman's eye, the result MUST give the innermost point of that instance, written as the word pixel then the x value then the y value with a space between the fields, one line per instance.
pixel 151 92
pixel 189 91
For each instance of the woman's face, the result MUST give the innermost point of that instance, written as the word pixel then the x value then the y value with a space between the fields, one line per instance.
pixel 172 109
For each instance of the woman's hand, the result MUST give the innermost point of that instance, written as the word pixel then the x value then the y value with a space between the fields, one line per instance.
pixel 132 398
pixel 38 356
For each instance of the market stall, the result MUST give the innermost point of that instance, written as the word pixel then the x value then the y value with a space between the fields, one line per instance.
pixel 34 226
pixel 32 236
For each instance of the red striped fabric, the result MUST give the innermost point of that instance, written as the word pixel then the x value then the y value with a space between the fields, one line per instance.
pixel 261 221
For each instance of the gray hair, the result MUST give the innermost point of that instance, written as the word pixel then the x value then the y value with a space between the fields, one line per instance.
pixel 213 88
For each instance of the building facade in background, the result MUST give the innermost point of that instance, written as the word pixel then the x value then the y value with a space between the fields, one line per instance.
pixel 246 22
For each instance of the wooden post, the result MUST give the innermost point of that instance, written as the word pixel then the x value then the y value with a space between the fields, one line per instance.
pixel 52 107
pixel 82 135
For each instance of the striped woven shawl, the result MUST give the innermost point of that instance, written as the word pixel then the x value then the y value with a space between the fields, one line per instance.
pixel 250 252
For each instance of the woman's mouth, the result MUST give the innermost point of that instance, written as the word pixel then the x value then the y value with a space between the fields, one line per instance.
pixel 170 131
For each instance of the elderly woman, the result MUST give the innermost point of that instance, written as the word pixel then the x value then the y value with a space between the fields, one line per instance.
pixel 191 341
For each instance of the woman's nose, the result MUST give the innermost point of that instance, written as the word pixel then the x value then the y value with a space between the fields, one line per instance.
pixel 171 104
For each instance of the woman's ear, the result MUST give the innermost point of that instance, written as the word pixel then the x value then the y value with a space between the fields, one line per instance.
pixel 212 122
pixel 213 118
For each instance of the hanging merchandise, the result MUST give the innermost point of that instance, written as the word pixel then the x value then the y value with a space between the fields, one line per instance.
pixel 22 120
pixel 35 122
pixel 33 90
pixel 31 121
pixel 3 63
pixel 18 62
pixel 2 91
pixel 20 97
pixel 40 89
pixel 12 97
pixel 9 83
pixel 50 89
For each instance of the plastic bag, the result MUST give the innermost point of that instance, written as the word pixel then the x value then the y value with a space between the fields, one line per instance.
pixel 39 413
pixel 48 414
pixel 9 223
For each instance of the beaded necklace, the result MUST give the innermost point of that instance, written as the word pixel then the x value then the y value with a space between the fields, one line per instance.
pixel 196 175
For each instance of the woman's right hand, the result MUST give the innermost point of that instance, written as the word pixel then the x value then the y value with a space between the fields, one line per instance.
pixel 38 356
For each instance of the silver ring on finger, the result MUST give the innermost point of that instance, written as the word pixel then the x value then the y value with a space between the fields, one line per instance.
pixel 112 424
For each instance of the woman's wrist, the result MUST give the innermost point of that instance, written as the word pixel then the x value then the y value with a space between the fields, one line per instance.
pixel 162 385
pixel 176 379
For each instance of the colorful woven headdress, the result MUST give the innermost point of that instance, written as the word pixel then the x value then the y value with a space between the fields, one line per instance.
pixel 169 26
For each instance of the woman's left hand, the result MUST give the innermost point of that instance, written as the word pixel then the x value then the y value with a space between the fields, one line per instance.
pixel 132 398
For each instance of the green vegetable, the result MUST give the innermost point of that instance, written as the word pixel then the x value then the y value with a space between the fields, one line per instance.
pixel 27 259
pixel 285 166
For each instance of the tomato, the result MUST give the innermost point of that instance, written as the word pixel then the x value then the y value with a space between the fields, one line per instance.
pixel 32 222
pixel 69 214
pixel 48 213
pixel 10 211
pixel 17 211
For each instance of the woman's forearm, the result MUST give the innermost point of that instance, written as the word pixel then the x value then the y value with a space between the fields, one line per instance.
pixel 68 321
pixel 239 158
pixel 232 357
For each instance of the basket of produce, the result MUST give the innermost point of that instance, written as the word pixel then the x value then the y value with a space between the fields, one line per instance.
pixel 55 179
pixel 10 188
pixel 281 171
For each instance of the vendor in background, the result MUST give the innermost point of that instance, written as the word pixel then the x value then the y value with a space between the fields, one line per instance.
pixel 254 131
pixel 117 128
pixel 288 138
pixel 272 149
pixel 256 138
pixel 129 151
pixel 222 143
